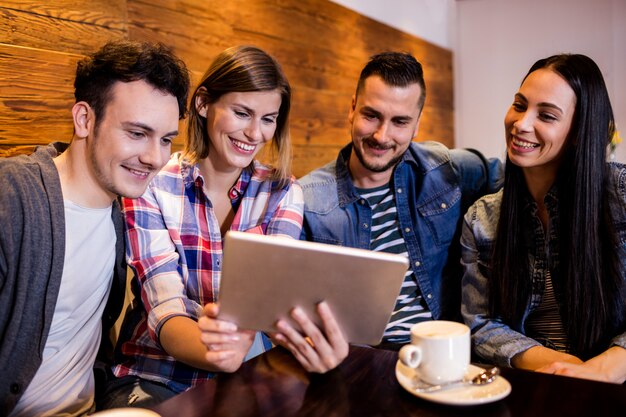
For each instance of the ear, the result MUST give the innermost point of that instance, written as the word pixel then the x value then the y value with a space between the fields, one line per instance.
pixel 83 119
pixel 352 108
pixel 201 101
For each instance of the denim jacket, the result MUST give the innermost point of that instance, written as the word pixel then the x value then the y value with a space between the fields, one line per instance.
pixel 433 188
pixel 493 340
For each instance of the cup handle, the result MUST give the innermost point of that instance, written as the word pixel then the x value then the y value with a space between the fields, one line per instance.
pixel 410 355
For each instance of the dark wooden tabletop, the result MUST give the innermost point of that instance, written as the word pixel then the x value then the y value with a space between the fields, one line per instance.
pixel 365 385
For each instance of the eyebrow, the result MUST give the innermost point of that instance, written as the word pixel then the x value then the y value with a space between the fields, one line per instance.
pixel 149 129
pixel 541 104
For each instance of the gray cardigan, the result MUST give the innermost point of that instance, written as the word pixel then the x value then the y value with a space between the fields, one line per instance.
pixel 32 249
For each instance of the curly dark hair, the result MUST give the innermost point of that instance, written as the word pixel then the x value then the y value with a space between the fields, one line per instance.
pixel 128 61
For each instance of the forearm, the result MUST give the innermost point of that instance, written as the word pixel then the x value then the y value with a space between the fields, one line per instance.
pixel 539 356
pixel 180 337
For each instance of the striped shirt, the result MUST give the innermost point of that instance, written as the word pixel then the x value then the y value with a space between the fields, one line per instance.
pixel 174 246
pixel 545 323
pixel 386 237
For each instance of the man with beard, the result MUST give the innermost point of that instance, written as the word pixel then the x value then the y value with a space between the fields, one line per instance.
pixel 387 193
pixel 62 268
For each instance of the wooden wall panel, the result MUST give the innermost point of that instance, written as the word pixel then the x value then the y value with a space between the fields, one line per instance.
pixel 322 47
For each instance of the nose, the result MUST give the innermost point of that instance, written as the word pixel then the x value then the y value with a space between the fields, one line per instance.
pixel 524 122
pixel 381 132
pixel 253 131
pixel 154 154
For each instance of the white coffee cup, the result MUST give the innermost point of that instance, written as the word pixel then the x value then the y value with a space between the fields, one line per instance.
pixel 439 351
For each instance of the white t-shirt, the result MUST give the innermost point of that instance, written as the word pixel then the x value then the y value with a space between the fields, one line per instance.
pixel 64 383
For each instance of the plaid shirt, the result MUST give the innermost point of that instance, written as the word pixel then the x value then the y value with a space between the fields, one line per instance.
pixel 174 246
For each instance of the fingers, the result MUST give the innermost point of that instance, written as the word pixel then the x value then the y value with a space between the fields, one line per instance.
pixel 317 351
pixel 211 310
pixel 226 345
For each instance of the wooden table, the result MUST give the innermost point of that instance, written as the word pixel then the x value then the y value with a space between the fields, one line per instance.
pixel 274 384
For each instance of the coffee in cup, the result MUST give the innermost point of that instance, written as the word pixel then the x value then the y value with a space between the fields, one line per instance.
pixel 439 351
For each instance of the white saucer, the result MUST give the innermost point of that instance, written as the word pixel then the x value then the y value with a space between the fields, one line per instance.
pixel 464 395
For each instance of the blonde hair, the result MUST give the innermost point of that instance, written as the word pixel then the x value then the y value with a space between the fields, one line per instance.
pixel 242 69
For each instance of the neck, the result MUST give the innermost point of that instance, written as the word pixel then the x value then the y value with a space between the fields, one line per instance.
pixel 78 180
pixel 217 181
pixel 365 178
pixel 539 182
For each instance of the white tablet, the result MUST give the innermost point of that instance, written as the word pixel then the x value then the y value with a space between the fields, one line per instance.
pixel 264 277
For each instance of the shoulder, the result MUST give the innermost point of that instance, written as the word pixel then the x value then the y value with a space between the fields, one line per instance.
pixel 429 155
pixel 486 210
pixel 172 172
pixel 319 189
pixel 30 175
pixel 617 179
pixel 320 177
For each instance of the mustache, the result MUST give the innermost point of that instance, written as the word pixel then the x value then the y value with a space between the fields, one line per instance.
pixel 373 143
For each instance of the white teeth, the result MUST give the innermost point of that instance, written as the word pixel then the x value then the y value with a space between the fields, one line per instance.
pixel 140 173
pixel 524 144
pixel 243 146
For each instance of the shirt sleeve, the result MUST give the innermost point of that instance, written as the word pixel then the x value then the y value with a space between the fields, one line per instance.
pixel 287 219
pixel 152 254
pixel 492 340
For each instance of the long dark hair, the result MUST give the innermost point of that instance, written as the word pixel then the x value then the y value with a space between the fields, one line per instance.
pixel 589 276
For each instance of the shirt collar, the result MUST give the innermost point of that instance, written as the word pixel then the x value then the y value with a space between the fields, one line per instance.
pixel 192 177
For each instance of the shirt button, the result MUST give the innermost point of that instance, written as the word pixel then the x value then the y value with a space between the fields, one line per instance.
pixel 399 190
pixel 407 229
pixel 365 225
pixel 444 205
pixel 15 388
pixel 429 296
pixel 417 263
pixel 361 202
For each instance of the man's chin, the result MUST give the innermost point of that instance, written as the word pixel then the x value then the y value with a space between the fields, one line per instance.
pixel 379 166
pixel 129 192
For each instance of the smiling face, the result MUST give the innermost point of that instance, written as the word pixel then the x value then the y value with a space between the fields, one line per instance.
pixel 384 120
pixel 238 125
pixel 133 140
pixel 539 120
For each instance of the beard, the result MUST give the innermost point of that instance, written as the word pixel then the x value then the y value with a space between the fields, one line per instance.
pixel 369 142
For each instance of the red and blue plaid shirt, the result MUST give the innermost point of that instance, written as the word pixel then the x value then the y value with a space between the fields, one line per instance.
pixel 174 246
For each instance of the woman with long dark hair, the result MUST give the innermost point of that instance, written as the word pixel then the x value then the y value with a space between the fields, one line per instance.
pixel 545 258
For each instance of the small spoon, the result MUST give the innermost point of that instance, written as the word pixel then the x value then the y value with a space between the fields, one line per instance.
pixel 484 377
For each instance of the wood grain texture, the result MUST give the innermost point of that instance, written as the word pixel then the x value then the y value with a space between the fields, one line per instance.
pixel 321 46
pixel 73 32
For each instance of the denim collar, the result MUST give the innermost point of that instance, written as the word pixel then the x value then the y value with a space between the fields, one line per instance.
pixel 424 161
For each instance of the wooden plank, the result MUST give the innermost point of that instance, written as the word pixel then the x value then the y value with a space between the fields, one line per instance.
pixel 335 66
pixel 322 47
pixel 36 95
pixel 310 157
pixel 36 31
pixel 110 13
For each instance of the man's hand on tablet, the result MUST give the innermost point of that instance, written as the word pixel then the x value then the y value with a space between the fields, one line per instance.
pixel 226 344
pixel 318 350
